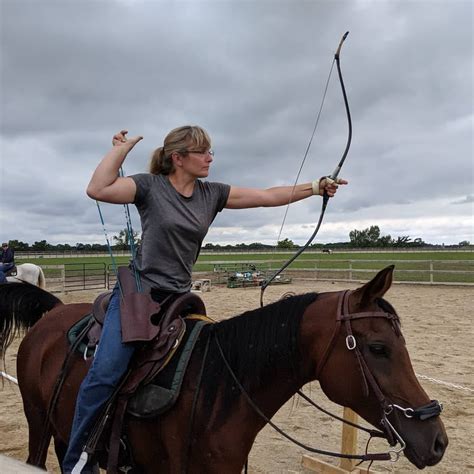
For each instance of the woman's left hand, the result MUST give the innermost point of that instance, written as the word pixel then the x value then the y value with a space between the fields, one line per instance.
pixel 330 186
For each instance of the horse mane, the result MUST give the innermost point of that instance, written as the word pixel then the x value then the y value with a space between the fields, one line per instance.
pixel 21 306
pixel 257 344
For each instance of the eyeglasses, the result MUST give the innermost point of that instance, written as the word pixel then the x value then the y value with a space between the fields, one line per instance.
pixel 201 152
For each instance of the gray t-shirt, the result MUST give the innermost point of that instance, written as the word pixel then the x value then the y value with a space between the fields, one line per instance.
pixel 173 228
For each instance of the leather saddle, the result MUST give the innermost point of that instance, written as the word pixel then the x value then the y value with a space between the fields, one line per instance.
pixel 165 321
pixel 142 319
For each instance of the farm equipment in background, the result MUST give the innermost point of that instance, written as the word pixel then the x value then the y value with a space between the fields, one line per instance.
pixel 245 275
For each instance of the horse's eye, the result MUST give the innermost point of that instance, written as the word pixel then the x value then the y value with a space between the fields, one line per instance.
pixel 378 350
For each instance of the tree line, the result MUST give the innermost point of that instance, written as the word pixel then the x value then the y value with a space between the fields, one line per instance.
pixel 370 237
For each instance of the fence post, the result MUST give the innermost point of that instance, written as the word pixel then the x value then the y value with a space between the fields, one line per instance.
pixel 63 277
pixel 350 270
pixel 348 446
pixel 316 270
pixel 431 271
pixel 349 439
pixel 106 276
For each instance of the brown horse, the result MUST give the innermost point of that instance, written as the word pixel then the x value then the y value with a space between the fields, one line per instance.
pixel 349 341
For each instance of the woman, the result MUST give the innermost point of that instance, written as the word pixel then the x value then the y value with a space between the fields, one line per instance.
pixel 176 209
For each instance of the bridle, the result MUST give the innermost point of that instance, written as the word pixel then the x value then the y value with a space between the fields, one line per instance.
pixel 345 318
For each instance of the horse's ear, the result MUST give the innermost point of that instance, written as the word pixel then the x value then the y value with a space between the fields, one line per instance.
pixel 376 287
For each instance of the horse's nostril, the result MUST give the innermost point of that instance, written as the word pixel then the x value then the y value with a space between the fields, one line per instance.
pixel 439 445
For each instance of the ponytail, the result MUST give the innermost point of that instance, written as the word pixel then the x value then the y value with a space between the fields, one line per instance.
pixel 160 163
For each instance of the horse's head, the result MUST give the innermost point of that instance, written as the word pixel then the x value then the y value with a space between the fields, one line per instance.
pixel 363 363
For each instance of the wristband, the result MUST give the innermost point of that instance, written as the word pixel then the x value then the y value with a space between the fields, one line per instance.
pixel 315 186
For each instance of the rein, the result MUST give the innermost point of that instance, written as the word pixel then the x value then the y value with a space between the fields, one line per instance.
pixel 425 412
pixel 361 457
pixel 45 434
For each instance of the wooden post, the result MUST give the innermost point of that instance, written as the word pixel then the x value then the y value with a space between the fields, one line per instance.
pixel 349 439
pixel 63 278
pixel 348 446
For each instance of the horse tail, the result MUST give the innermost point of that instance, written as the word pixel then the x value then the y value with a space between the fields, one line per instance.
pixel 41 279
pixel 21 306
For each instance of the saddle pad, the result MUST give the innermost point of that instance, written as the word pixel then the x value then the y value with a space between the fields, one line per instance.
pixel 76 331
pixel 160 395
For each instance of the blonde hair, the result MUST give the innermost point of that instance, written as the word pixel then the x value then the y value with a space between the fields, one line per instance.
pixel 178 140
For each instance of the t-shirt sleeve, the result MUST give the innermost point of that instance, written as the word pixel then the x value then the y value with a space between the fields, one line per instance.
pixel 143 182
pixel 220 191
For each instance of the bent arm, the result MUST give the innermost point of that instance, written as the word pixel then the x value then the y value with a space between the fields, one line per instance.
pixel 106 185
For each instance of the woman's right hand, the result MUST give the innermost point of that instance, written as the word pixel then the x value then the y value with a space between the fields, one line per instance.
pixel 120 139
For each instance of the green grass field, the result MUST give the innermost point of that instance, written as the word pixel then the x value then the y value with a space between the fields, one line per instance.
pixel 409 266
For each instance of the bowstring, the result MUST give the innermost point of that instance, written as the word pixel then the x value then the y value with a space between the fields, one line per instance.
pixel 305 153
pixel 109 247
pixel 131 239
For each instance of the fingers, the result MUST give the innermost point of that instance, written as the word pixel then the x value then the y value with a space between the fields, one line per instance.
pixel 135 140
pixel 120 138
pixel 330 185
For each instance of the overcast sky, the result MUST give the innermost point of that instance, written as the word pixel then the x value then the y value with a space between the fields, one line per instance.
pixel 253 74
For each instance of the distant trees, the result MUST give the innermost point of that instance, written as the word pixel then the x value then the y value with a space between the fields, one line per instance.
pixel 122 240
pixel 365 238
pixel 371 237
pixel 18 245
pixel 41 246
pixel 285 244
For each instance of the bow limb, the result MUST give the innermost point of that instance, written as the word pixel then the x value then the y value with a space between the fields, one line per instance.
pixel 333 176
pixel 335 173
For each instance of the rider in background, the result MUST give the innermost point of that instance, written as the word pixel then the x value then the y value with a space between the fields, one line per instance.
pixel 176 208
pixel 7 261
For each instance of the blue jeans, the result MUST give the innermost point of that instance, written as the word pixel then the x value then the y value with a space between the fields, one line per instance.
pixel 4 267
pixel 108 367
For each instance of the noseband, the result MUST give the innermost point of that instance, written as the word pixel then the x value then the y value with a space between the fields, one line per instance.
pixel 421 413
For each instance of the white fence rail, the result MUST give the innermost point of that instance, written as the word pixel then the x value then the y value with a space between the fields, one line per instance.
pixel 75 277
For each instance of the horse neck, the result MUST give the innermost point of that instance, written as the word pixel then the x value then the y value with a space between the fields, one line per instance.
pixel 318 327
pixel 262 349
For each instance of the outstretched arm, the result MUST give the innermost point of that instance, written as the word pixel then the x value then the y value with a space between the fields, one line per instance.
pixel 106 185
pixel 243 198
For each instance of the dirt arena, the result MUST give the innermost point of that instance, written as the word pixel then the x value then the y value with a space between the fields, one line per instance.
pixel 439 335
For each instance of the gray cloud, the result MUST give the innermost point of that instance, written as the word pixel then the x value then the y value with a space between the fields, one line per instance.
pixel 252 73
pixel 467 200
